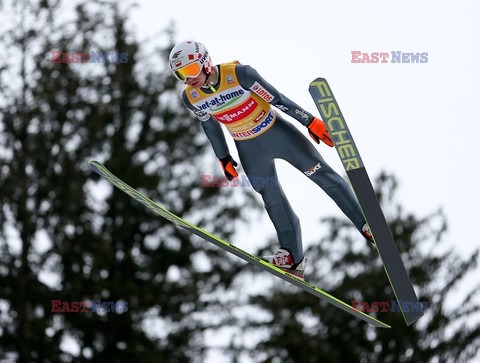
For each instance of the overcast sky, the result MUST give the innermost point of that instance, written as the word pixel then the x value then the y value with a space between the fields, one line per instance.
pixel 418 121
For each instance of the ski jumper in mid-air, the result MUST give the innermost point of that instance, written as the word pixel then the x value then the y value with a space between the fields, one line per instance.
pixel 238 97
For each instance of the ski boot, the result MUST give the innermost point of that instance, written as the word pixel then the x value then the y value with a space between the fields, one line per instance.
pixel 367 234
pixel 284 260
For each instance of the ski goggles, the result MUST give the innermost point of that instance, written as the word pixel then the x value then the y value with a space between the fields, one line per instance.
pixel 191 70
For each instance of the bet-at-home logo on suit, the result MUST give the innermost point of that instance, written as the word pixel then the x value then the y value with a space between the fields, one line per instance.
pixel 246 113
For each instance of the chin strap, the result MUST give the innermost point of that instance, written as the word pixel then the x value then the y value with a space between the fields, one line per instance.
pixel 212 80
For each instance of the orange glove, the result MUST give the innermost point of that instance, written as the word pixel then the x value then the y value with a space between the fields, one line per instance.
pixel 318 131
pixel 228 165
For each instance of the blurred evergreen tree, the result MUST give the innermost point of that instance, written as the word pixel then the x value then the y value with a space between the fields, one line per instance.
pixel 293 326
pixel 65 234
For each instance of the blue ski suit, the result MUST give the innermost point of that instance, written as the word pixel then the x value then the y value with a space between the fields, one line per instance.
pixel 241 100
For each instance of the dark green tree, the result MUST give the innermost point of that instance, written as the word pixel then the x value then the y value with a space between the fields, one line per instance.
pixel 65 234
pixel 293 326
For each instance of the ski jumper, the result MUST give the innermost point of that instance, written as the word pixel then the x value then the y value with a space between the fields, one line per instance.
pixel 242 102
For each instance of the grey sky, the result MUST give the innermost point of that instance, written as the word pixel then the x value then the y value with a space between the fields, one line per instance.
pixel 416 120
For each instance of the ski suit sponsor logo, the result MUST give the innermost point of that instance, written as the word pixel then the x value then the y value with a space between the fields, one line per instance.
pixel 312 170
pixel 202 115
pixel 203 58
pixel 229 79
pixel 282 107
pixel 221 101
pixel 301 113
pixel 259 117
pixel 264 124
pixel 260 127
pixel 336 127
pixel 241 125
pixel 237 113
pixel 262 92
pixel 194 94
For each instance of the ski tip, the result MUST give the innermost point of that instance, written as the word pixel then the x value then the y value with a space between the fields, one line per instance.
pixel 383 325
pixel 93 164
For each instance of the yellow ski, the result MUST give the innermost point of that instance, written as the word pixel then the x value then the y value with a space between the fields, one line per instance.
pixel 255 260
